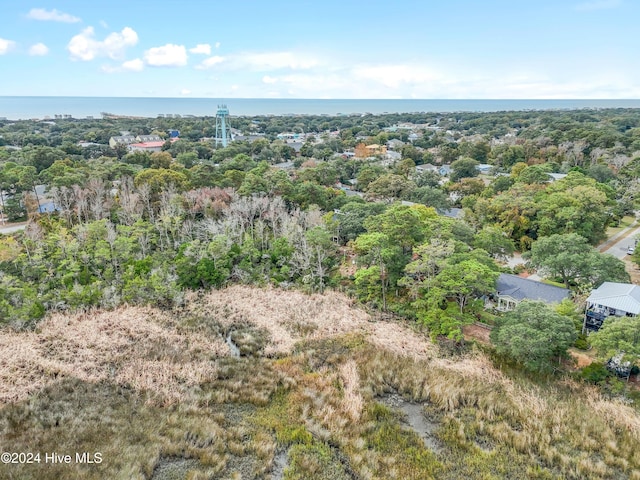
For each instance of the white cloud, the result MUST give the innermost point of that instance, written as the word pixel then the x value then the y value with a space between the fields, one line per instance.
pixel 185 91
pixel 201 49
pixel 217 45
pixel 598 5
pixel 268 79
pixel 85 47
pixel 168 55
pixel 38 50
pixel 6 45
pixel 51 16
pixel 210 62
pixel 135 65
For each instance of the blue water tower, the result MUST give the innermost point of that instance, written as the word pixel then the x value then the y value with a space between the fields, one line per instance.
pixel 222 133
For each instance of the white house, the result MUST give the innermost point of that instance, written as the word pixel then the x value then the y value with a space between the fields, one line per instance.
pixel 608 301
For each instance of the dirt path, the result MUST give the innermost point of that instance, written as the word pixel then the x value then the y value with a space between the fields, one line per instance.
pixel 476 332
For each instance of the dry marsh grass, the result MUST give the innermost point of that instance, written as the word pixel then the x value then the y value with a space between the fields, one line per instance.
pixel 158 393
pixel 140 347
pixel 290 316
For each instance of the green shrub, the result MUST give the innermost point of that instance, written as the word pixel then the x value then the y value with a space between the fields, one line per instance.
pixel 595 373
pixel 582 342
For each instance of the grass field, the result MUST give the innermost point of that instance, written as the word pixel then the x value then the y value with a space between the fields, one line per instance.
pixel 160 396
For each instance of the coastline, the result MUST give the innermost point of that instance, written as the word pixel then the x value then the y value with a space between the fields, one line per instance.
pixel 53 108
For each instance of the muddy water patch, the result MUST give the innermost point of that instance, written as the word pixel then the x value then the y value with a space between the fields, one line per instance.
pixel 233 348
pixel 415 418
pixel 280 462
pixel 246 340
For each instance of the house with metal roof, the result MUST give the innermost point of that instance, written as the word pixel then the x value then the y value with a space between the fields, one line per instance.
pixel 512 289
pixel 611 300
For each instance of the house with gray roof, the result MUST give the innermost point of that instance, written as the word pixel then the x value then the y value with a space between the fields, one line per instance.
pixel 512 289
pixel 444 170
pixel 609 301
pixel 556 176
pixel 395 144
pixel 452 212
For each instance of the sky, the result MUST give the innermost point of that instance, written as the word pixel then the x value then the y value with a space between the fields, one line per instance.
pixel 444 49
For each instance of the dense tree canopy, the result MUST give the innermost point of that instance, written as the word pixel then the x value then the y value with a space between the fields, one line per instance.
pixel 534 336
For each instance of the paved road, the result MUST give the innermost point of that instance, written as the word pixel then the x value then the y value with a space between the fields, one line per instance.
pixel 11 228
pixel 619 248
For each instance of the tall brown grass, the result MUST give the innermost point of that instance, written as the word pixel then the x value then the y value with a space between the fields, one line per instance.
pixel 290 316
pixel 141 347
pixel 332 365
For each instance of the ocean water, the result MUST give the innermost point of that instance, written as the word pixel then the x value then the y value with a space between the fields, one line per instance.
pixel 15 108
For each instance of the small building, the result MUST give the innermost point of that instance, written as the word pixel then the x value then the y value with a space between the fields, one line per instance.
pixel 512 289
pixel 610 301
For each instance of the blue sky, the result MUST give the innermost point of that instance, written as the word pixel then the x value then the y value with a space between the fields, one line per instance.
pixel 322 49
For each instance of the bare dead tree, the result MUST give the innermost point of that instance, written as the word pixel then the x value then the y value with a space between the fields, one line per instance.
pixel 131 206
pixel 144 191
pixel 96 192
pixel 63 198
pixel 82 203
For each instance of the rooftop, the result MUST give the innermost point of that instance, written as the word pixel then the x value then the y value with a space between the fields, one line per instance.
pixel 620 296
pixel 524 289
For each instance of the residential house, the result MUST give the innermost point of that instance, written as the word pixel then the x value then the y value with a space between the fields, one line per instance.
pixel 285 165
pixel 121 140
pixel 149 138
pixel 452 212
pixel 512 289
pixel 48 207
pixel 444 170
pixel 395 144
pixel 427 167
pixel 610 301
pixel 556 176
pixel 366 151
pixel 151 146
pixel 484 168
pixel 146 147
pixel 393 156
